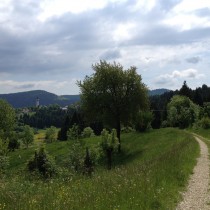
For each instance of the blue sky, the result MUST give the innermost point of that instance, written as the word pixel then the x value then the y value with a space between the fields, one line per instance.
pixel 50 44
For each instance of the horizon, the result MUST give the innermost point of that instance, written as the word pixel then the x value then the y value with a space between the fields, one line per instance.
pixel 51 44
pixel 63 94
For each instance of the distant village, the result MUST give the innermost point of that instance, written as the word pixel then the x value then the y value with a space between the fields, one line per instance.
pixel 37 104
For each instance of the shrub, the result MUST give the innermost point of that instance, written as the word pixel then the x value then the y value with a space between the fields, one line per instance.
pixel 164 124
pixel 88 164
pixel 77 155
pixel 127 129
pixel 13 141
pixel 88 132
pixel 73 133
pixel 143 120
pixel 27 135
pixel 4 160
pixel 50 135
pixel 43 163
pixel 109 145
pixel 205 122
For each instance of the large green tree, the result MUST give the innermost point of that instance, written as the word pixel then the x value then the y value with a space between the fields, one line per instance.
pixel 113 94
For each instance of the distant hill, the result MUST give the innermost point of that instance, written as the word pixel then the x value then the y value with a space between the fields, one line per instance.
pixel 158 91
pixel 27 99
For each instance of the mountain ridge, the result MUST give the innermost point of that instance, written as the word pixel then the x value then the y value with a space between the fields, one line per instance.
pixel 28 98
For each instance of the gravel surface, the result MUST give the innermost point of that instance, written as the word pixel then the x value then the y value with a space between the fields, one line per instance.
pixel 196 196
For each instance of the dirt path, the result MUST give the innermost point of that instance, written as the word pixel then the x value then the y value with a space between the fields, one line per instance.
pixel 196 197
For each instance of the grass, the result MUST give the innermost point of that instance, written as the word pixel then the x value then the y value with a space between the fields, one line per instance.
pixel 149 174
pixel 204 134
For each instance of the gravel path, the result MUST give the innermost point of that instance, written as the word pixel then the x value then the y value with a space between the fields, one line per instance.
pixel 196 197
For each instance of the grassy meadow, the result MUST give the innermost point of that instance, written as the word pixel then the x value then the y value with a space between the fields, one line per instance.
pixel 149 174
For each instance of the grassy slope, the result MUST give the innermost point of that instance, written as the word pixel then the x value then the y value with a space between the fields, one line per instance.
pixel 149 174
pixel 204 133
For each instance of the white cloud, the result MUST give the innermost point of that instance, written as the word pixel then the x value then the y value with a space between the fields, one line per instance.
pixel 144 5
pixel 177 75
pixel 190 6
pixel 58 7
pixel 57 87
pixel 124 32
pixel 187 21
pixel 183 16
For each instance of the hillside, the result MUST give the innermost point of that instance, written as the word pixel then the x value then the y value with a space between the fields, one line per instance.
pixel 27 99
pixel 158 91
pixel 149 174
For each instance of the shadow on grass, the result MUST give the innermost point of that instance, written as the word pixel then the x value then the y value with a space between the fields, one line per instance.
pixel 126 157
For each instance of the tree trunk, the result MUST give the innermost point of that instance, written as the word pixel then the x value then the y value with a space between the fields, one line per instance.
pixel 118 135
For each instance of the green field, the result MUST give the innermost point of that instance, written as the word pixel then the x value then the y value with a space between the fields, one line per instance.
pixel 149 174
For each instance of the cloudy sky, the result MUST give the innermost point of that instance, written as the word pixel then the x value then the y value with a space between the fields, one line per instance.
pixel 50 44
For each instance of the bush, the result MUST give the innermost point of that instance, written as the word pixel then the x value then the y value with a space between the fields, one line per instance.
pixel 205 122
pixel 88 164
pixel 13 144
pixel 42 163
pixel 77 155
pixel 13 141
pixel 50 135
pixel 73 133
pixel 143 120
pixel 109 145
pixel 127 129
pixel 27 135
pixel 4 160
pixel 164 124
pixel 88 132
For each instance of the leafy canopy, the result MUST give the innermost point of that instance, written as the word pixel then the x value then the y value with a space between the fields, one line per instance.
pixel 182 112
pixel 113 94
pixel 113 91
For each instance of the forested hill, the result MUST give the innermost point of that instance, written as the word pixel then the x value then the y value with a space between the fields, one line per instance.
pixel 158 91
pixel 27 99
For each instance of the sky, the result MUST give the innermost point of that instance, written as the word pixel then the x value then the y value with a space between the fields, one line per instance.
pixel 51 44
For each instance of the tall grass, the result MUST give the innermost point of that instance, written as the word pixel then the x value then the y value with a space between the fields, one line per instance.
pixel 149 174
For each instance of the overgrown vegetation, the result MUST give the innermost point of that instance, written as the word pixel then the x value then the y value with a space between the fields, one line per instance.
pixel 148 174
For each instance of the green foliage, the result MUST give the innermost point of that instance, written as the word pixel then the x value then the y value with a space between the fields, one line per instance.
pixel 88 163
pixel 43 163
pixel 27 135
pixel 4 160
pixel 182 112
pixel 204 123
pixel 14 142
pixel 7 119
pixel 74 116
pixel 88 132
pixel 127 129
pixel 113 94
pixel 76 155
pixel 154 170
pixel 50 135
pixel 43 117
pixel 73 132
pixel 143 120
pixel 109 144
pixel 109 140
